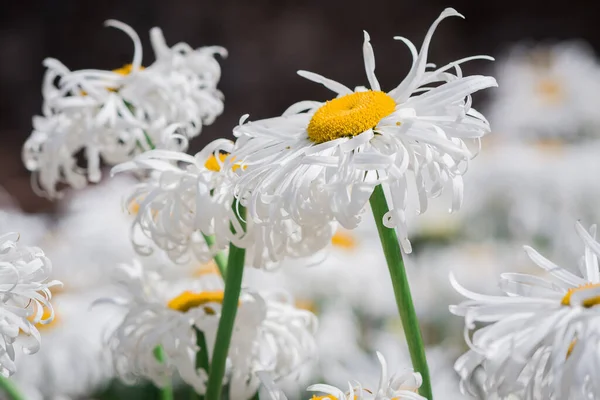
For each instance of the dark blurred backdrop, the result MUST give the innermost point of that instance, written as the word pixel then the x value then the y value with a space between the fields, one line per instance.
pixel 267 40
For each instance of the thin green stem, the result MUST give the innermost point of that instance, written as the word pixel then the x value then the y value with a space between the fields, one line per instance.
pixel 233 285
pixel 202 361
pixel 406 308
pixel 219 258
pixel 166 392
pixel 131 108
pixel 10 389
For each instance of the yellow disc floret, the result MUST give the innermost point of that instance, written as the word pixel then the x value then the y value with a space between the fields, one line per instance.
pixel 344 240
pixel 587 303
pixel 45 317
pixel 212 164
pixel 125 69
pixel 188 300
pixel 349 115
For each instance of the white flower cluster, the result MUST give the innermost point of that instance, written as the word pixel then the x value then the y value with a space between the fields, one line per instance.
pixel 181 204
pixel 24 299
pixel 542 339
pixel 111 116
pixel 270 334
pixel 401 386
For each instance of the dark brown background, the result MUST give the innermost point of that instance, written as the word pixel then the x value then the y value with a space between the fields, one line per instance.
pixel 268 40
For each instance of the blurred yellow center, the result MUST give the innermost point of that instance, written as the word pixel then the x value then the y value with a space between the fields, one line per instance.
pixel 188 300
pixel 349 115
pixel 328 397
pixel 571 347
pixel 213 165
pixel 45 316
pixel 550 90
pixel 344 240
pixel 587 303
pixel 125 69
pixel 209 268
pixel 307 304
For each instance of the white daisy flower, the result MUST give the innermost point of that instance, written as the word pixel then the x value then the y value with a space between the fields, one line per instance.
pixel 112 115
pixel 24 298
pixel 189 197
pixel 269 333
pixel 541 339
pixel 324 163
pixel 401 386
pixel 547 92
pixel 522 193
pixel 350 264
pixel 73 362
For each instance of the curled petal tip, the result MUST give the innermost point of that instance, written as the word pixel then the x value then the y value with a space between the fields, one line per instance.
pixel 366 36
pixel 451 12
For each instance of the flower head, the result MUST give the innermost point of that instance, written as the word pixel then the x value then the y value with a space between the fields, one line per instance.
pixel 269 333
pixel 401 386
pixel 547 91
pixel 74 338
pixel 541 339
pixel 24 299
pixel 321 161
pixel 187 198
pixel 114 115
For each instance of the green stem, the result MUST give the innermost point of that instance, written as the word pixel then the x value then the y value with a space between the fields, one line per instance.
pixel 202 361
pixel 219 257
pixel 233 285
pixel 131 108
pixel 166 392
pixel 406 308
pixel 8 386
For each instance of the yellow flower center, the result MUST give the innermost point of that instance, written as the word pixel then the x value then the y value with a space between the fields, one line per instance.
pixel 328 397
pixel 307 304
pixel 571 347
pixel 213 165
pixel 126 69
pixel 45 316
pixel 587 303
pixel 550 91
pixel 343 240
pixel 188 300
pixel 209 268
pixel 349 115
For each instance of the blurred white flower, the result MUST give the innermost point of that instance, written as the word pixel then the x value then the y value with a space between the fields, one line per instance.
pixel 73 362
pixel 547 91
pixel 523 193
pixel 401 386
pixel 353 264
pixel 541 339
pixel 24 298
pixel 188 198
pixel 269 333
pixel 323 164
pixel 91 235
pixel 113 115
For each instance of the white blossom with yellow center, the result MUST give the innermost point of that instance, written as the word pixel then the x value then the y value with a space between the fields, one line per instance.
pixel 541 340
pixel 188 197
pixel 110 116
pixel 323 164
pixel 270 334
pixel 24 299
pixel 547 92
pixel 72 362
pixel 401 386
